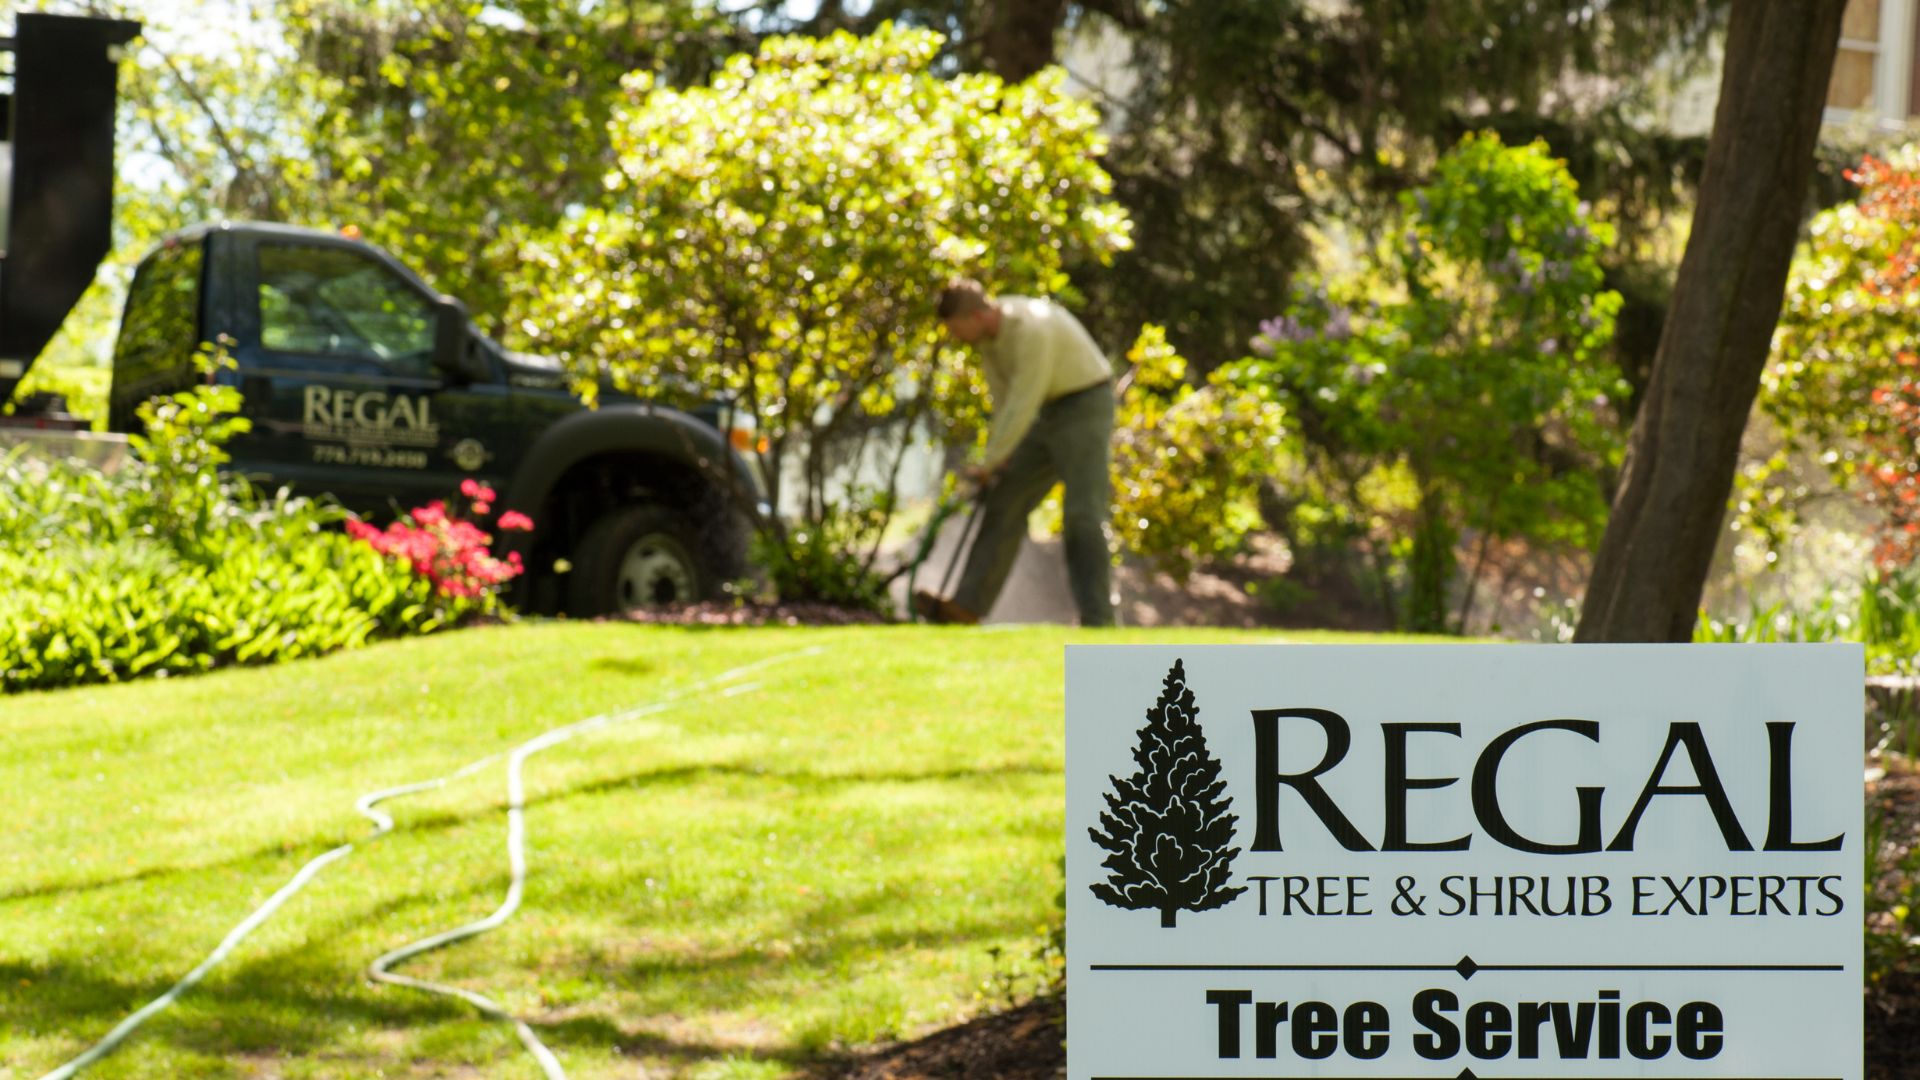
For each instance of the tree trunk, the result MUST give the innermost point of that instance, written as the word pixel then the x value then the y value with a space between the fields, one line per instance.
pixel 1667 514
pixel 1016 36
pixel 1431 565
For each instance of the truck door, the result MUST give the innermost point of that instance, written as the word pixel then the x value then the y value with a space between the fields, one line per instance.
pixel 337 371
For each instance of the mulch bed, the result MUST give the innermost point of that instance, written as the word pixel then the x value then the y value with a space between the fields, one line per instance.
pixel 1023 1043
pixel 1893 1006
pixel 1893 1029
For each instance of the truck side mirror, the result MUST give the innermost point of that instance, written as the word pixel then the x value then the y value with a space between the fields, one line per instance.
pixel 450 344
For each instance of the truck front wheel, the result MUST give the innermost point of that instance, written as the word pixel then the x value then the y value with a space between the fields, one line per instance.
pixel 635 557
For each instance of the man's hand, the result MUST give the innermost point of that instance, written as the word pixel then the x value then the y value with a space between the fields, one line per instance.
pixel 980 476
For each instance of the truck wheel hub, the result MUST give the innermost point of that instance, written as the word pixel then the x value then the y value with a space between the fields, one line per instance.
pixel 653 573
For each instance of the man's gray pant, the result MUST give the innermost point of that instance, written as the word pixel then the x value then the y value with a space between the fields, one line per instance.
pixel 1071 443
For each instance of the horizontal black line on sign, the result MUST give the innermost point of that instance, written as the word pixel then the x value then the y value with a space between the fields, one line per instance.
pixel 1452 967
pixel 1520 1077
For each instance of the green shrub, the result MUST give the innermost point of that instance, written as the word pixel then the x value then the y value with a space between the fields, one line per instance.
pixel 1455 381
pixel 823 562
pixel 1188 461
pixel 168 567
pixel 777 237
pixel 1883 614
pixel 1893 898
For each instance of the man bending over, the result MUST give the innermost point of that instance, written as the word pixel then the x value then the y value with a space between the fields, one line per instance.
pixel 1051 392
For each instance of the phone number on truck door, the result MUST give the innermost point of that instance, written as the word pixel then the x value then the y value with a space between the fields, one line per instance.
pixel 377 456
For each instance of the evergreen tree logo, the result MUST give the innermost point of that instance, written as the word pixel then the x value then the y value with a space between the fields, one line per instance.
pixel 1167 828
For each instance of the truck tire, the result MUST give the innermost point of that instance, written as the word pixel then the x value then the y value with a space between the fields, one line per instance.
pixel 636 557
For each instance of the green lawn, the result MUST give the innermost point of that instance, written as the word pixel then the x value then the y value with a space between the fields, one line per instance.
pixel 727 889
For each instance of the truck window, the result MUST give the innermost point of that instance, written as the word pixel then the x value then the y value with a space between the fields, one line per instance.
pixel 334 302
pixel 159 331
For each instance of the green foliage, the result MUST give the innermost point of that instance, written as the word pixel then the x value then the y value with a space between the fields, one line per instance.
pixel 778 236
pixel 1882 612
pixel 446 132
pixel 1188 461
pixel 1246 126
pixel 823 561
pixel 1844 357
pixel 1892 900
pixel 83 388
pixel 167 567
pixel 1459 380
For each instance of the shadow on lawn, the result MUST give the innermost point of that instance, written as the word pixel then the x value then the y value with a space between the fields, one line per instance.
pixel 251 1010
pixel 447 820
pixel 291 1003
pixel 804 778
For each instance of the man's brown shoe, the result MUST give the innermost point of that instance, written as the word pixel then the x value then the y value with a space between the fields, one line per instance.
pixel 939 609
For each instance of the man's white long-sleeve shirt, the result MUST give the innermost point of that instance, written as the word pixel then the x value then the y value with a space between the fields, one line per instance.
pixel 1041 353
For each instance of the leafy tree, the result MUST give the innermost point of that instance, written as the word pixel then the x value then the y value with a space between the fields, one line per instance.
pixel 448 132
pixel 777 237
pixel 1459 380
pixel 1166 830
pixel 1653 559
pixel 1188 461
pixel 1243 124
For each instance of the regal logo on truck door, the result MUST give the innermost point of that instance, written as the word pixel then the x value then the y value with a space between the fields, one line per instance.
pixel 368 417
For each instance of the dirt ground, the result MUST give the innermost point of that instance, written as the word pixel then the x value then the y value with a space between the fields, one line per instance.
pixel 1893 1006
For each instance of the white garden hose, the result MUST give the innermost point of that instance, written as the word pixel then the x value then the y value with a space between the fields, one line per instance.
pixel 380 970
pixel 383 824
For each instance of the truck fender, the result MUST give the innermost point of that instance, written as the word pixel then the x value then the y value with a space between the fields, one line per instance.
pixel 620 428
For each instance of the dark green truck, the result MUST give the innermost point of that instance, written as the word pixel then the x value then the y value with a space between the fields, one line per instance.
pixel 361 381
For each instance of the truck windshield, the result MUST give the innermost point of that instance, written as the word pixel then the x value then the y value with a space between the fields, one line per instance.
pixel 334 302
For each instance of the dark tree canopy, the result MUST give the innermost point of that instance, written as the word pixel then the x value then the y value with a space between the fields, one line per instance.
pixel 1252 119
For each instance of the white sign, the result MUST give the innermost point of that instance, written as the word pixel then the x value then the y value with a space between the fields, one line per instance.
pixel 1459 860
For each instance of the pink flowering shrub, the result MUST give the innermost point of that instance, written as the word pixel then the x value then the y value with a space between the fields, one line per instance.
pixel 447 548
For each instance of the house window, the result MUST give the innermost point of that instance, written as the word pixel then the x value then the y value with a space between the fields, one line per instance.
pixel 1874 71
pixel 1856 68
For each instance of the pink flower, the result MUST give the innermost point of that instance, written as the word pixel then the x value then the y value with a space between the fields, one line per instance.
pixel 477 491
pixel 450 552
pixel 515 521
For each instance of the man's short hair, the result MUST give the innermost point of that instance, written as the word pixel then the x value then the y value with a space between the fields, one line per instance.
pixel 962 296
